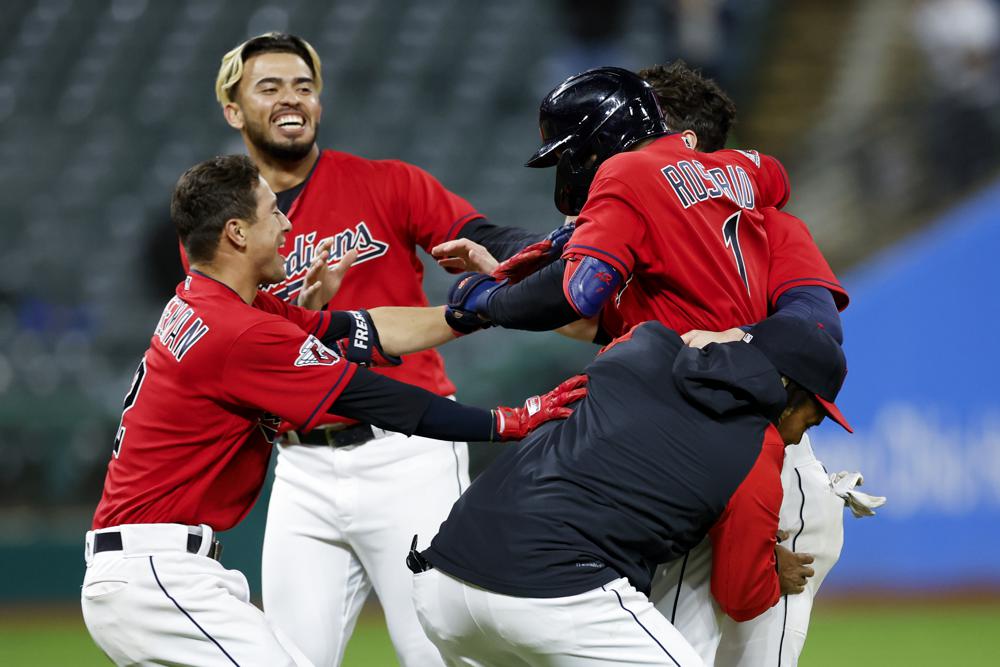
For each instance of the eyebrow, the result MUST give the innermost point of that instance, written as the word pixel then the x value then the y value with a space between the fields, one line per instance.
pixel 278 80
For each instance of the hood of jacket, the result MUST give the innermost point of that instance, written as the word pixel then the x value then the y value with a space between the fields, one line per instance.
pixel 726 378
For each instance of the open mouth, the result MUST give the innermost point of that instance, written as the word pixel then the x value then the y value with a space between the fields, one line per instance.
pixel 290 122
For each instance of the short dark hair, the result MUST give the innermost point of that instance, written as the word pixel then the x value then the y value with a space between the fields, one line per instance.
pixel 206 196
pixel 690 101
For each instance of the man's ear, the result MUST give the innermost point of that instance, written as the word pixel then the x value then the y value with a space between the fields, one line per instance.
pixel 234 231
pixel 234 115
pixel 688 136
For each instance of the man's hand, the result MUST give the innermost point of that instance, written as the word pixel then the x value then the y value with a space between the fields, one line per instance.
pixel 516 423
pixel 463 255
pixel 322 281
pixel 793 568
pixel 699 338
pixel 535 256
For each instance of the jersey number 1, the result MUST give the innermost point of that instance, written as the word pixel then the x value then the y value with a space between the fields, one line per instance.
pixel 130 398
pixel 730 236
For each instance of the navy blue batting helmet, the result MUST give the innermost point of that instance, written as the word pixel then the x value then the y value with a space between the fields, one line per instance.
pixel 600 112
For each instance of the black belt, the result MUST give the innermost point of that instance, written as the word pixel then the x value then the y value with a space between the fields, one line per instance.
pixel 112 541
pixel 345 437
pixel 416 561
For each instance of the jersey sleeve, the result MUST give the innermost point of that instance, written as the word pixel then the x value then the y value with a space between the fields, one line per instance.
pixel 313 322
pixel 433 213
pixel 276 367
pixel 609 227
pixel 744 578
pixel 796 260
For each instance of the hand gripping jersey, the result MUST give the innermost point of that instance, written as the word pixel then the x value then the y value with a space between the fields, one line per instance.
pixel 642 470
pixel 206 401
pixel 685 231
pixel 385 209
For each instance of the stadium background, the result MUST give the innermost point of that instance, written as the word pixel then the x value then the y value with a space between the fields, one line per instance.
pixel 886 113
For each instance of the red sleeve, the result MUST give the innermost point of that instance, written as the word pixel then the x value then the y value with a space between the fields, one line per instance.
pixel 795 259
pixel 274 366
pixel 609 227
pixel 744 579
pixel 313 322
pixel 775 188
pixel 433 214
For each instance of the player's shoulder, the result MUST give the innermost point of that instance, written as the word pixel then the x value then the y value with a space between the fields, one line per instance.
pixel 778 223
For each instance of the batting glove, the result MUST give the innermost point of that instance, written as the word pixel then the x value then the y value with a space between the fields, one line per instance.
pixel 535 256
pixel 516 423
pixel 861 504
pixel 467 302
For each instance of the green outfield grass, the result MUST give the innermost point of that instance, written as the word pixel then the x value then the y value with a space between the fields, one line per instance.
pixel 853 635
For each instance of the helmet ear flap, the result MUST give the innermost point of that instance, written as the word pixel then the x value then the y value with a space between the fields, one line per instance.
pixel 572 183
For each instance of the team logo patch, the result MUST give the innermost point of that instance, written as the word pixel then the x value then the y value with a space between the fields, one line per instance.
pixel 533 404
pixel 314 353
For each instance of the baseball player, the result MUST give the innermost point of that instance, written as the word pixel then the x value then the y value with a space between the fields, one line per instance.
pixel 337 503
pixel 797 278
pixel 547 558
pixel 226 364
pixel 811 511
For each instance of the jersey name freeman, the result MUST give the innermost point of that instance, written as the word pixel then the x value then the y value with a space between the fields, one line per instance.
pixel 175 331
pixel 692 183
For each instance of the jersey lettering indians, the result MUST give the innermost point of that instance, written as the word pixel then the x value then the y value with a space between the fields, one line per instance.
pixel 385 209
pixel 685 231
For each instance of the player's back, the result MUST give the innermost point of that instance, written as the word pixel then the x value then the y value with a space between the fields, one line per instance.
pixel 685 230
pixel 635 476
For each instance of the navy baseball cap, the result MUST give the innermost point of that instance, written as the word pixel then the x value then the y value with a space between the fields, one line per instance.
pixel 804 352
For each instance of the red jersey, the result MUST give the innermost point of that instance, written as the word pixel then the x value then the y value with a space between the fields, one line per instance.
pixel 205 404
pixel 385 209
pixel 744 580
pixel 685 231
pixel 795 259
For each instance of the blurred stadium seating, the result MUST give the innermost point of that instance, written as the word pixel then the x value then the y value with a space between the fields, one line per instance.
pixel 103 103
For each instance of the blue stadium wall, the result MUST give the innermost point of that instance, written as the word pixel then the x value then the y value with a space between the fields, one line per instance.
pixel 922 393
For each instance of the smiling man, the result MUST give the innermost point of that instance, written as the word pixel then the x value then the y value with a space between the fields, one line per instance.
pixel 225 365
pixel 269 89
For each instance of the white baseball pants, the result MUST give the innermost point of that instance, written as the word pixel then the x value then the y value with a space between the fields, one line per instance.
pixel 153 603
pixel 813 515
pixel 613 624
pixel 339 524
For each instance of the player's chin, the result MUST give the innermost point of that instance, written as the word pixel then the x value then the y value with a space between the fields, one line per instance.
pixel 276 274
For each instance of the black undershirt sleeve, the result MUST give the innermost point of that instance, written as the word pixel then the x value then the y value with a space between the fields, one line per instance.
pixel 340 326
pixel 537 303
pixel 404 408
pixel 502 242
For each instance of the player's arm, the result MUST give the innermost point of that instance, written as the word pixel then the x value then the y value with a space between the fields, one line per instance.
pixel 404 408
pixel 558 294
pixel 276 368
pixel 795 259
pixel 808 302
pixel 744 580
pixel 597 259
pixel 501 242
